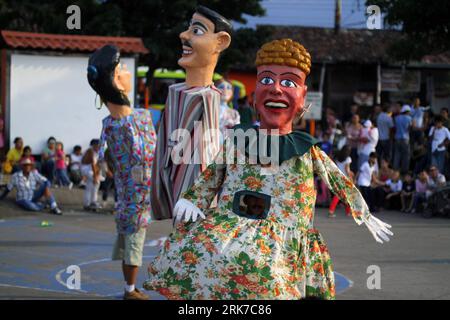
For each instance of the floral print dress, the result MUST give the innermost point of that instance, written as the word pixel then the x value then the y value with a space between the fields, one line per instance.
pixel 227 256
pixel 131 141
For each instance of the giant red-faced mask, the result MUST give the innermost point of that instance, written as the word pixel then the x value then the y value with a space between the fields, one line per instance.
pixel 280 96
pixel 282 67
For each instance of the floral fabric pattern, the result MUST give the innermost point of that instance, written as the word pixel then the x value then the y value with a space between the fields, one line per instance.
pixel 132 141
pixel 227 256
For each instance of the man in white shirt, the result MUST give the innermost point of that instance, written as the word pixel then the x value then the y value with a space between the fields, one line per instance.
pixel 368 142
pixel 364 180
pixel 440 137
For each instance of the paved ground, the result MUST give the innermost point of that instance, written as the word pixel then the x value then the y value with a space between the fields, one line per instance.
pixel 33 259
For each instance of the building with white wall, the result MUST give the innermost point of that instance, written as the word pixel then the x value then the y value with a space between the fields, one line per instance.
pixel 44 89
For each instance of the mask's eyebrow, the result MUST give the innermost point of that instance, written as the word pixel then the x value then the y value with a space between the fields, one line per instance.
pixel 198 23
pixel 264 71
pixel 293 74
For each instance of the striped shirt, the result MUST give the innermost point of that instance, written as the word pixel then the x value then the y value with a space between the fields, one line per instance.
pixel 25 186
pixel 184 107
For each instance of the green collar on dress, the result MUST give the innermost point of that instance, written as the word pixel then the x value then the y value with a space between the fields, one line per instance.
pixel 296 143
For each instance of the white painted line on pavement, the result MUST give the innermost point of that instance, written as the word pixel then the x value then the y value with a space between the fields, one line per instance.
pixel 61 282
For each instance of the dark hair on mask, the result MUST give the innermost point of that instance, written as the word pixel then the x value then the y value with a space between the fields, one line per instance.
pixel 100 74
pixel 219 21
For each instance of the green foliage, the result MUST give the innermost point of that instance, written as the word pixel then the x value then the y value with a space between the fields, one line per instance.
pixel 425 24
pixel 158 22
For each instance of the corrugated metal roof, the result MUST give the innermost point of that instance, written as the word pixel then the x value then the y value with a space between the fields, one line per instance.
pixel 28 40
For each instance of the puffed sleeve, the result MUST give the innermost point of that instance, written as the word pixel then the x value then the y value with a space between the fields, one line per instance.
pixel 348 194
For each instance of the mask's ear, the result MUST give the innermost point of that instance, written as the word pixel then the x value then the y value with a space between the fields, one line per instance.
pixel 122 79
pixel 302 106
pixel 223 40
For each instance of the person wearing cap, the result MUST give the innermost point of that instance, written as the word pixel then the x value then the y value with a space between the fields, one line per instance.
pixel 367 142
pixel 192 108
pixel 403 123
pixel 130 137
pixel 31 187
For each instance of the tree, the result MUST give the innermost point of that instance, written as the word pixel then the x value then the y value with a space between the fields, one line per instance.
pixel 425 26
pixel 157 22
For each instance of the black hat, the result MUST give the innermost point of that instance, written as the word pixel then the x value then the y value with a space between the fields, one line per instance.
pixel 100 74
pixel 220 22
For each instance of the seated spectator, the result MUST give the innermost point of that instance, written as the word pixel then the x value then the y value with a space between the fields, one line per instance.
pixel 62 178
pixel 48 159
pixel 420 193
pixel 13 157
pixel 365 178
pixel 75 165
pixel 27 153
pixel 440 138
pixel 435 180
pixel 31 187
pixel 385 171
pixel 395 187
pixel 407 193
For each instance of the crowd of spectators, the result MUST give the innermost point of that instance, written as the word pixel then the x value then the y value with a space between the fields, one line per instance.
pixel 397 155
pixel 33 175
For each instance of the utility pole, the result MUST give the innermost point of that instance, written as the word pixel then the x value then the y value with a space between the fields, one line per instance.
pixel 337 16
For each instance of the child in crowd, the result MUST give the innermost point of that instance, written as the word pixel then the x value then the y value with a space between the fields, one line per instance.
pixel 395 187
pixel 75 165
pixel 407 194
pixel 420 195
pixel 27 153
pixel 62 178
pixel 343 161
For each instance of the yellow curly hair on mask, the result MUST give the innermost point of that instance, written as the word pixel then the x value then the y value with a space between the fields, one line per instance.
pixel 286 52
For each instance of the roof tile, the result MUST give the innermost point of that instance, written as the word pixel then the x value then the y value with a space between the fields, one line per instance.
pixel 26 40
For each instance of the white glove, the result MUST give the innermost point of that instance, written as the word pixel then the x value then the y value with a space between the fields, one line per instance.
pixel 187 209
pixel 379 229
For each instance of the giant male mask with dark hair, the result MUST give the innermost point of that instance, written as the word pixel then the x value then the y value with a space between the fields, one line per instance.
pixel 207 36
pixel 107 77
